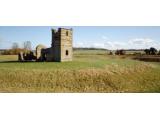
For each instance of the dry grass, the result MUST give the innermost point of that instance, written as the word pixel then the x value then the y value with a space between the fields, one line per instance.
pixel 8 57
pixel 85 74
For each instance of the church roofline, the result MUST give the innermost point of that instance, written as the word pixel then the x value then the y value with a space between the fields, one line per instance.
pixel 56 30
pixel 65 28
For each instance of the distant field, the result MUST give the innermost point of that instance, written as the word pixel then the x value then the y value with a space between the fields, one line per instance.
pixel 8 57
pixel 133 52
pixel 90 52
pixel 90 71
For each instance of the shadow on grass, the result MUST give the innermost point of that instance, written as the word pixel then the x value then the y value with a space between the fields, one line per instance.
pixel 30 61
pixel 16 62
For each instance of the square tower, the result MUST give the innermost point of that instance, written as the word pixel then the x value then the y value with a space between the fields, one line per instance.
pixel 62 44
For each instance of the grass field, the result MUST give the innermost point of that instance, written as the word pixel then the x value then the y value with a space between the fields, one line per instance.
pixel 90 71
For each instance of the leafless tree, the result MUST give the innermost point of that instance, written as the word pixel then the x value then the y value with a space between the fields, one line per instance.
pixel 15 45
pixel 27 45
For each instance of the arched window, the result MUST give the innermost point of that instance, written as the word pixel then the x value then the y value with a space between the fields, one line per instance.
pixel 66 33
pixel 67 52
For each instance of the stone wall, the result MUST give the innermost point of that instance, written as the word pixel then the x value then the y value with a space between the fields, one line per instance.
pixel 60 50
pixel 62 44
pixel 39 52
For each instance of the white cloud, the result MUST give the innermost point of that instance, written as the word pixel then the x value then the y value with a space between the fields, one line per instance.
pixel 109 44
pixel 98 45
pixel 89 45
pixel 79 44
pixel 142 43
pixel 115 45
pixel 136 43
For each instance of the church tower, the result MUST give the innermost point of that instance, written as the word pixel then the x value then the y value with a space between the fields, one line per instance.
pixel 62 44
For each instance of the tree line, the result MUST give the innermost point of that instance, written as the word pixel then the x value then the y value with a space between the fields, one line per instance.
pixel 152 51
pixel 16 49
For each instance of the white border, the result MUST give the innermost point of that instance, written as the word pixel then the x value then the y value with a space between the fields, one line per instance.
pixel 79 13
pixel 79 106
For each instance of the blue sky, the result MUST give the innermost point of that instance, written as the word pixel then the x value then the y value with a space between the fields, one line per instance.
pixel 98 37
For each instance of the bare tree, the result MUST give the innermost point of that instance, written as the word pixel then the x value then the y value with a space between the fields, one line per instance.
pixel 15 45
pixel 27 45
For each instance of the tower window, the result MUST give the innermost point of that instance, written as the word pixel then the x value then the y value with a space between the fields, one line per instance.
pixel 67 52
pixel 66 33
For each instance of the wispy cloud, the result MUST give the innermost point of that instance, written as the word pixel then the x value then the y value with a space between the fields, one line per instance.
pixel 106 43
pixel 114 45
pixel 89 45
pixel 143 43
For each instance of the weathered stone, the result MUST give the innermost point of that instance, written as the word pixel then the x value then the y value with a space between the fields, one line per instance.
pixel 61 48
pixel 20 56
pixel 39 49
pixel 62 44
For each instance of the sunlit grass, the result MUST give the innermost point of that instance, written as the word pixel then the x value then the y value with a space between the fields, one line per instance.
pixel 86 73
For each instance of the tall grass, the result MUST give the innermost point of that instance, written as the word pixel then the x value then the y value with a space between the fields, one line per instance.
pixel 87 73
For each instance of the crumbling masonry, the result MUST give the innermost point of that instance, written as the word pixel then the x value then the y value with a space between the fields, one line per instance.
pixel 60 50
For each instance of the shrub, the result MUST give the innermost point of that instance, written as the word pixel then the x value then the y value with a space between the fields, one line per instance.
pixel 151 51
pixel 110 53
pixel 120 52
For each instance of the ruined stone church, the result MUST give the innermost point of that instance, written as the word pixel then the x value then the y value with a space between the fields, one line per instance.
pixel 61 47
pixel 60 50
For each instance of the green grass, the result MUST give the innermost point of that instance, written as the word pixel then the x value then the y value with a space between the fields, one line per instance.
pixel 90 52
pixel 90 71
